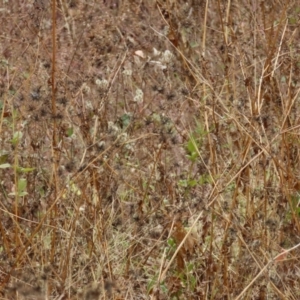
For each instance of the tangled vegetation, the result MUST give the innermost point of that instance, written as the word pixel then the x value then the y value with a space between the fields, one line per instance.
pixel 149 149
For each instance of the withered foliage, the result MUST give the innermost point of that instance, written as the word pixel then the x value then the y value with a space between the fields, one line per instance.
pixel 152 128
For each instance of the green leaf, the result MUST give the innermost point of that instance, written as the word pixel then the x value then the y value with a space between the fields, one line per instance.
pixel 171 243
pixel 3 157
pixel 192 182
pixel 25 170
pixel 183 183
pixel 187 182
pixel 292 21
pixel 21 188
pixel 205 178
pixel 16 138
pixel 22 184
pixel 191 148
pixel 70 131
pixel 4 62
pixel 5 166
pixel 22 194
pixel 125 120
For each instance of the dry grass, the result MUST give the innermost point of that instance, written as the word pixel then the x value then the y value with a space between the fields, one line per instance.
pixel 149 149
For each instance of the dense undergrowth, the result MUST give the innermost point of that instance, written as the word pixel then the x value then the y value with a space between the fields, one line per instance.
pixel 149 149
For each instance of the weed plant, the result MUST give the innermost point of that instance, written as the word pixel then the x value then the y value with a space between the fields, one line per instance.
pixel 149 149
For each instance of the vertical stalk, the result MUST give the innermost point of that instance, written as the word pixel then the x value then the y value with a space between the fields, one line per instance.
pixel 54 136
